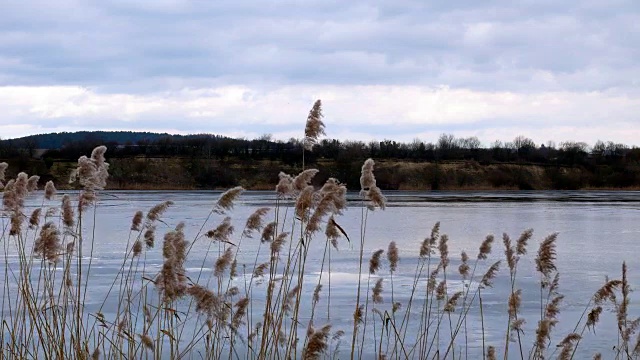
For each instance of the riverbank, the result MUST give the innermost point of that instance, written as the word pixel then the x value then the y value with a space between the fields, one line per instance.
pixel 180 173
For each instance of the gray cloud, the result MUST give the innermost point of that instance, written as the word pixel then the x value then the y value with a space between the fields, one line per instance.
pixel 495 45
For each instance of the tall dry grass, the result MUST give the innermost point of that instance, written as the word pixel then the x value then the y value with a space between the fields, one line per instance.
pixel 260 309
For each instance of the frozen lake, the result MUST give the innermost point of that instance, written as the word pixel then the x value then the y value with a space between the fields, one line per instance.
pixel 597 232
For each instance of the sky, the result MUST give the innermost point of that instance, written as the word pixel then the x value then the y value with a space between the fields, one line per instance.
pixel 388 69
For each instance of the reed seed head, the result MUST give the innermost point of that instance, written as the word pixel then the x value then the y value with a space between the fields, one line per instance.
pixel 392 256
pixel 567 345
pixel 376 293
pixel 136 221
pixel 593 317
pixel 316 293
pixel 156 211
pixel 3 168
pixel 34 219
pixel 443 248
pixel 32 183
pixel 240 313
pixel 279 241
pixel 226 200
pixel 268 232
pixel 222 232
pixel 464 268
pixel 314 126
pixel 136 250
pixel 491 353
pixel 452 302
pixel 304 203
pixel 515 299
pixel 374 262
pixel 317 344
pixel 67 211
pixel 49 190
pixel 545 261
pixel 332 232
pixel 303 180
pixel 147 341
pixel 284 188
pixel 223 262
pixel 487 278
pixel 521 244
pixel 255 221
pixel 47 245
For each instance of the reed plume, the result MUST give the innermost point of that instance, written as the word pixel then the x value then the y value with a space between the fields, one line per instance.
pixel 34 219
pixel 222 232
pixel 303 180
pixel 157 210
pixel 3 169
pixel 150 236
pixel 226 200
pixel 207 302
pixel 279 241
pixel 393 256
pixel 464 268
pixel 92 172
pixel 240 313
pixel 255 221
pixel 147 341
pixel 47 245
pixel 317 344
pixel 49 190
pixel 284 188
pixel 567 345
pixel 332 232
pixel 452 302
pixel 369 190
pixel 268 232
pixel 545 261
pixel 67 211
pixel 223 262
pixel 487 278
pixel 426 248
pixel 136 221
pixel 376 293
pixel 136 249
pixel 32 183
pixel 314 127
pixel 374 262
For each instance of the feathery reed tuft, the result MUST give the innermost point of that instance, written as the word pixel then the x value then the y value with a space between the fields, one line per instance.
pixel 487 278
pixel 156 211
pixel 314 126
pixel 255 221
pixel 136 221
pixel 392 256
pixel 426 248
pixel 374 262
pixel 317 343
pixel 376 293
pixel 226 200
pixel 545 261
pixel 49 190
pixel 32 183
pixel 47 245
pixel 34 219
pixel 223 262
pixel 222 232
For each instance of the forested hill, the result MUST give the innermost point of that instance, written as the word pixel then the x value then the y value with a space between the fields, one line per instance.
pixel 147 160
pixel 61 139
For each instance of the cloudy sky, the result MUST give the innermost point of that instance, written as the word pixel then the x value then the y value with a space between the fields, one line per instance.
pixel 394 69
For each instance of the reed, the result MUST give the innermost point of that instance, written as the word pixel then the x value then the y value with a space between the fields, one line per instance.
pixel 269 307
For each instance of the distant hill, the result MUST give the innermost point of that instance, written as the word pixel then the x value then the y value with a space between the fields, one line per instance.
pixel 59 140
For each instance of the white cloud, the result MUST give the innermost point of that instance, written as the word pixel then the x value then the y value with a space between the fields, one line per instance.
pixel 368 112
